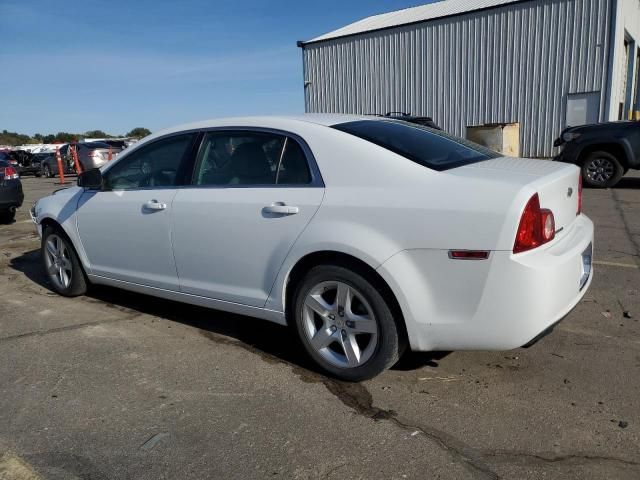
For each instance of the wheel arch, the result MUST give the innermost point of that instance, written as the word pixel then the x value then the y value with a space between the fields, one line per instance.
pixel 48 221
pixel 334 257
pixel 616 149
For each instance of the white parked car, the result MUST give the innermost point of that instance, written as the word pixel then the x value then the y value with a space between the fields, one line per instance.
pixel 366 235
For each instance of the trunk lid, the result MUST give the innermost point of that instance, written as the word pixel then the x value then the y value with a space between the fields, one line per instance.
pixel 556 183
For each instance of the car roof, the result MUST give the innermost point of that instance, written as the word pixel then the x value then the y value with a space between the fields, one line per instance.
pixel 269 121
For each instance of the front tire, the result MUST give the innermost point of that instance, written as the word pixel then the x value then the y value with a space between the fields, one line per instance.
pixel 345 323
pixel 61 264
pixel 601 170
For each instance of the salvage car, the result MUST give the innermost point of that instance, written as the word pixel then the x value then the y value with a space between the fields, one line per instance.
pixel 366 235
pixel 23 162
pixel 11 195
pixel 90 155
pixel 603 151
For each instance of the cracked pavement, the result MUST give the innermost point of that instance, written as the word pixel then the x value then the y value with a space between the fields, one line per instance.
pixel 119 385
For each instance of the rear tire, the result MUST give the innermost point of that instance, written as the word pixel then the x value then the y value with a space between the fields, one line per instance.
pixel 61 264
pixel 601 170
pixel 345 324
pixel 46 170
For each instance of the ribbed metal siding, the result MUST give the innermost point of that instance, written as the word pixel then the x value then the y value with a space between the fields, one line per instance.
pixel 516 63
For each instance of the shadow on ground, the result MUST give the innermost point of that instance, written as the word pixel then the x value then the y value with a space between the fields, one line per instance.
pixel 260 336
pixel 628 183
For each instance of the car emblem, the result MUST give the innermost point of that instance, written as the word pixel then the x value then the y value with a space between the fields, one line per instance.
pixel 569 192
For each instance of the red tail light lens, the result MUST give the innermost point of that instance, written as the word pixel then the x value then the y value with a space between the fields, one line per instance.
pixel 579 194
pixel 537 226
pixel 10 173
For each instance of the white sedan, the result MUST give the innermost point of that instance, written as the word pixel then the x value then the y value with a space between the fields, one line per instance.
pixel 365 235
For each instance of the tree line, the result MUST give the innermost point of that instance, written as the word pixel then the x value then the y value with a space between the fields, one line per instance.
pixel 13 138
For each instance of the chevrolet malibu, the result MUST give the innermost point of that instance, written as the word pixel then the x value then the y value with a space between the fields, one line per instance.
pixel 366 235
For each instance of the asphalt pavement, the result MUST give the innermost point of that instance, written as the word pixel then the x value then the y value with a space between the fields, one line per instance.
pixel 117 385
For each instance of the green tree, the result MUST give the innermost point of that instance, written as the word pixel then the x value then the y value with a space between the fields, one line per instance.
pixel 139 132
pixel 96 134
pixel 13 138
pixel 65 137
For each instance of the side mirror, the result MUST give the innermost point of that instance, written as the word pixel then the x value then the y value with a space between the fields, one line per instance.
pixel 91 179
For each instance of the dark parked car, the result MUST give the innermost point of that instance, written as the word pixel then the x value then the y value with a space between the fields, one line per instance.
pixel 604 151
pixel 11 195
pixel 25 162
pixel 37 160
pixel 90 154
pixel 49 164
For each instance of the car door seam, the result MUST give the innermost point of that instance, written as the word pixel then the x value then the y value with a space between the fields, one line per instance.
pixel 293 244
pixel 173 253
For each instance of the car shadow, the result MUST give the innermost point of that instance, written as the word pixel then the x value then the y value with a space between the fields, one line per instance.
pixel 267 339
pixel 628 183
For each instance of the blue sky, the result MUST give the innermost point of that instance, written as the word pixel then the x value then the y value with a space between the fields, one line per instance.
pixel 78 66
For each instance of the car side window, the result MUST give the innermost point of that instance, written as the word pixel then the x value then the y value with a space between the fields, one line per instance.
pixel 249 158
pixel 153 165
pixel 293 168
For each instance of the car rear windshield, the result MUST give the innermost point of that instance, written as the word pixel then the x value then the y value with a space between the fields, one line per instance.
pixel 428 147
pixel 95 145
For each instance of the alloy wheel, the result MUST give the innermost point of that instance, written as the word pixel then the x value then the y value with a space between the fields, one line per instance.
pixel 599 170
pixel 58 262
pixel 340 324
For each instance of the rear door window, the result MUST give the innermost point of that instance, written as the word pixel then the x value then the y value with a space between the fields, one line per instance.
pixel 247 158
pixel 432 148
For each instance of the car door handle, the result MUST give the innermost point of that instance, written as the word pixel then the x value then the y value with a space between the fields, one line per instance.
pixel 280 208
pixel 155 205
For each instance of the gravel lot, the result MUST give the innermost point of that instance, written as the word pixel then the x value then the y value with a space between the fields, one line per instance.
pixel 119 385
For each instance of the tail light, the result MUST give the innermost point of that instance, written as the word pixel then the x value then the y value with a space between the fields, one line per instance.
pixel 537 226
pixel 10 173
pixel 579 194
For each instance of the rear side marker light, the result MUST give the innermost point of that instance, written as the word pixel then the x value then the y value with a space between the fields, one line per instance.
pixel 468 254
pixel 579 194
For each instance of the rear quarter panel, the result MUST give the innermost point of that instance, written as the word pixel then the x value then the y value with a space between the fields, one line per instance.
pixel 378 203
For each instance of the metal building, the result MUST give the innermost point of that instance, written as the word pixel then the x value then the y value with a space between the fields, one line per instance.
pixel 542 64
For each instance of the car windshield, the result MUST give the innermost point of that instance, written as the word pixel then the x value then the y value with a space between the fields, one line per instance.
pixel 426 146
pixel 4 156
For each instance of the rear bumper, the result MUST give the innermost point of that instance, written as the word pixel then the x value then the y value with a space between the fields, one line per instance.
pixel 11 195
pixel 497 304
pixel 30 169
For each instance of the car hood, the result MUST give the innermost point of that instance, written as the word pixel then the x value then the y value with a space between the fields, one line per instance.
pixel 598 126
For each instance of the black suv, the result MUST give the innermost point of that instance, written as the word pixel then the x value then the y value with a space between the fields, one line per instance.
pixel 604 151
